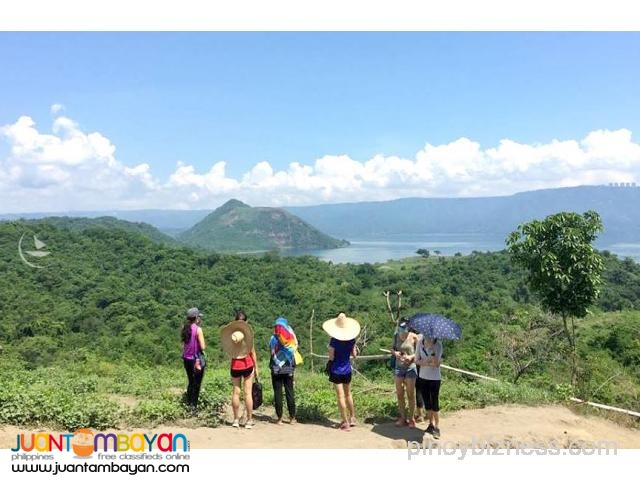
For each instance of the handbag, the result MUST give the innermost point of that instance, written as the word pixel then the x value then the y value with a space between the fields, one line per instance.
pixel 327 367
pixel 203 360
pixel 256 394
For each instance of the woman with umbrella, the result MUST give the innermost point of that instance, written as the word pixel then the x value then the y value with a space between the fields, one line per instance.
pixel 428 356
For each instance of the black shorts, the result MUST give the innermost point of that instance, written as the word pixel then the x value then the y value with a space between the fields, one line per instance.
pixel 246 373
pixel 430 390
pixel 337 379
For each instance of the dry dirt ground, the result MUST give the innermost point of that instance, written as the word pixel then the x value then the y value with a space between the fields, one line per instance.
pixel 499 426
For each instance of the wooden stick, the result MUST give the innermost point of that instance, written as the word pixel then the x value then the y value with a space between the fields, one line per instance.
pixel 313 312
pixel 466 372
pixel 386 295
pixel 605 407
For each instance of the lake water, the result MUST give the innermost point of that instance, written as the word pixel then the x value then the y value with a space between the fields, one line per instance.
pixel 397 247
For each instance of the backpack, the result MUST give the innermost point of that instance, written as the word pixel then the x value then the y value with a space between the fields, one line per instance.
pixel 256 394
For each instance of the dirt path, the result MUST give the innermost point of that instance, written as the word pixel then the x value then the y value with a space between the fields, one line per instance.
pixel 497 426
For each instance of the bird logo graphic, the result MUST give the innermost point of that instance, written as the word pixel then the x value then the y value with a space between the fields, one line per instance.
pixel 39 252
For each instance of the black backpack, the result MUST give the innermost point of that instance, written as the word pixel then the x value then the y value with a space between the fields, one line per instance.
pixel 256 394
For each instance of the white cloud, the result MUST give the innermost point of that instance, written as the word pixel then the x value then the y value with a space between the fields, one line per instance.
pixel 56 108
pixel 69 169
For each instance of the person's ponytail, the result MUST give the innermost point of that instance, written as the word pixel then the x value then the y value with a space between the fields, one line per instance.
pixel 185 333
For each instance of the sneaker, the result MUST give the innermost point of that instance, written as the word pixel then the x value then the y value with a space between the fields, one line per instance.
pixel 293 421
pixel 249 425
pixel 430 429
pixel 236 423
pixel 436 433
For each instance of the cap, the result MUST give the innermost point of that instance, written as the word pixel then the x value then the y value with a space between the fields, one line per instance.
pixel 193 313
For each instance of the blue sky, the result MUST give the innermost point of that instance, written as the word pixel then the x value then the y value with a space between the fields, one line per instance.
pixel 246 98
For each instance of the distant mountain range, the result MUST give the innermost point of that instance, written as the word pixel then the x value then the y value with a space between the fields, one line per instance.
pixel 235 226
pixel 618 207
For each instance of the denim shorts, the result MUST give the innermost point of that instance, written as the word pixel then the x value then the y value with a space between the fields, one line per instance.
pixel 405 373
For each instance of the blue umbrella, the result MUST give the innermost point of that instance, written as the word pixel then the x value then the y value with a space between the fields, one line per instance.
pixel 432 325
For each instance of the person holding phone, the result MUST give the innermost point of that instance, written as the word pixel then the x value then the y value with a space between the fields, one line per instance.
pixel 428 357
pixel 405 374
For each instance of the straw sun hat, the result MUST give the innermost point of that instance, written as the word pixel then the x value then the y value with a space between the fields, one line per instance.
pixel 342 327
pixel 236 339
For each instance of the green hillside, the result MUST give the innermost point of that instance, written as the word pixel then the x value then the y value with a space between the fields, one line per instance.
pixel 109 305
pixel 79 224
pixel 237 227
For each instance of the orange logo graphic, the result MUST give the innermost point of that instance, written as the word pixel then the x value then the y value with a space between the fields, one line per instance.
pixel 82 442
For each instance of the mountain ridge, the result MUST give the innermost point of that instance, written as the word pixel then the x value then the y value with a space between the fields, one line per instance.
pixel 80 224
pixel 426 215
pixel 236 226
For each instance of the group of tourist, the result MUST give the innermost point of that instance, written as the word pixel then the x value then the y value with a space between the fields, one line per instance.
pixel 416 360
pixel 417 377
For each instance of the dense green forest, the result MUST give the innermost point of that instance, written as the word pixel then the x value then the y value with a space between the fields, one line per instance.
pixel 111 301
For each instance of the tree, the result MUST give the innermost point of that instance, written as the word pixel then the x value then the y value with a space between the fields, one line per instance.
pixel 525 339
pixel 563 267
pixel 423 252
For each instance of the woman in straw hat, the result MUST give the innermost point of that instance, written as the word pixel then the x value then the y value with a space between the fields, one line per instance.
pixel 193 346
pixel 342 346
pixel 236 339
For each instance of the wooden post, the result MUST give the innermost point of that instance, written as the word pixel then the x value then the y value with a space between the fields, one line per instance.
pixel 313 312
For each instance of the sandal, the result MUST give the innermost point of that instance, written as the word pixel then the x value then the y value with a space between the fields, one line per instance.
pixel 401 422
pixel 353 422
pixel 412 423
pixel 344 426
